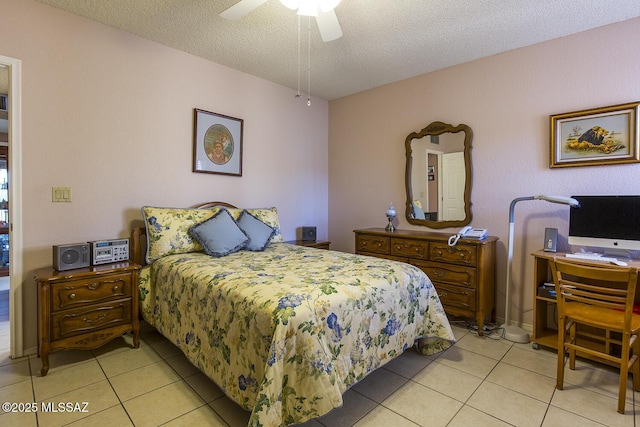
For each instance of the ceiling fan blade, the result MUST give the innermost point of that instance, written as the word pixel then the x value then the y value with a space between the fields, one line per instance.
pixel 329 26
pixel 241 8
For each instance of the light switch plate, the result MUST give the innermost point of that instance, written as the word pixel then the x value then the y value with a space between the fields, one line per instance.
pixel 60 194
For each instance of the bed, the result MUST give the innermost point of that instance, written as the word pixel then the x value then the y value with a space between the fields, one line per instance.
pixel 283 330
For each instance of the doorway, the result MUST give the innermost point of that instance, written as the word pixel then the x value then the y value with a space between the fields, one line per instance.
pixel 5 335
pixel 10 84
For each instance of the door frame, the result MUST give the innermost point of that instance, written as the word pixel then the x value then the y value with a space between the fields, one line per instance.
pixel 16 325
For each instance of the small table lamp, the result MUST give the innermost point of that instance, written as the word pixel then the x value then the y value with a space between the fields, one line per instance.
pixel 391 214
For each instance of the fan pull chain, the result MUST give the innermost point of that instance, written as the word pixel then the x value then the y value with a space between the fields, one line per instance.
pixel 298 93
pixel 309 62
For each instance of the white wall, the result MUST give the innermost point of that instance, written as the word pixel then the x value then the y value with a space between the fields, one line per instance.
pixel 111 116
pixel 506 99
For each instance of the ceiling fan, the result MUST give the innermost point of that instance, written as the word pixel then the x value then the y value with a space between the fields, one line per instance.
pixel 322 9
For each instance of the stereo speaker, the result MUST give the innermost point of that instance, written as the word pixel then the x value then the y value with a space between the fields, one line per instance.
pixel 68 257
pixel 550 239
pixel 309 234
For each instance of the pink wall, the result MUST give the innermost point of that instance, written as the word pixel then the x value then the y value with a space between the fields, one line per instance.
pixel 507 100
pixel 111 116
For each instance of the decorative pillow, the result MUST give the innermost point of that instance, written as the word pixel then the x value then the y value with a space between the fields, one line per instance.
pixel 220 234
pixel 267 215
pixel 418 213
pixel 258 232
pixel 168 230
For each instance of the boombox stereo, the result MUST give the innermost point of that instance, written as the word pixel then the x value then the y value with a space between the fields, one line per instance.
pixel 107 251
pixel 68 257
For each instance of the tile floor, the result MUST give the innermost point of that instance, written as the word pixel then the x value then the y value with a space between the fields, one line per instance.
pixel 477 382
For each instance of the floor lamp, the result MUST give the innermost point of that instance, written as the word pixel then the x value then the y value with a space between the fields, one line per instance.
pixel 512 332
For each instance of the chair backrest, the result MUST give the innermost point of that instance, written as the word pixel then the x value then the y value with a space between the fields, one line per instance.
pixel 599 285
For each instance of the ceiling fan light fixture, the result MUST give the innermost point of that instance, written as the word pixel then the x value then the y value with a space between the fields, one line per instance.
pixel 310 7
pixel 327 5
pixel 290 4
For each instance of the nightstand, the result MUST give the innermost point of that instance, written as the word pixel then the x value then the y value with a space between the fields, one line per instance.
pixel 311 243
pixel 86 308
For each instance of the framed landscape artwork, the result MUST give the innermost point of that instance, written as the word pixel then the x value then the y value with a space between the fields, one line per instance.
pixel 599 136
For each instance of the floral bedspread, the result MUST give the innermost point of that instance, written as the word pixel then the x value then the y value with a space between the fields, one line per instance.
pixel 287 331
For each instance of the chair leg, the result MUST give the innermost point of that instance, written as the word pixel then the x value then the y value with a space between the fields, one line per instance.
pixel 572 340
pixel 561 354
pixel 635 368
pixel 624 375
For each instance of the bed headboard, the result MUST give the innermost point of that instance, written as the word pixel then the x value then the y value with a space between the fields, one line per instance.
pixel 139 235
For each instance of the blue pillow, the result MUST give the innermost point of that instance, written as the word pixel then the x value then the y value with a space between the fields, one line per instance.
pixel 259 233
pixel 220 234
pixel 418 213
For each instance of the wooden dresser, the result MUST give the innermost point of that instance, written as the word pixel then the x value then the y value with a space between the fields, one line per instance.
pixel 85 308
pixel 464 275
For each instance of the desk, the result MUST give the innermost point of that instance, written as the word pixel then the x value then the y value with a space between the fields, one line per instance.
pixel 545 329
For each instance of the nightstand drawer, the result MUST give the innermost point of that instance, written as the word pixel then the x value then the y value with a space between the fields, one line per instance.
pixel 456 297
pixel 85 319
pixel 89 291
pixel 459 254
pixel 448 273
pixel 410 248
pixel 377 244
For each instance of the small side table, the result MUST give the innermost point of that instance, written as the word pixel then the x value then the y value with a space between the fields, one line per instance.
pixel 86 308
pixel 311 243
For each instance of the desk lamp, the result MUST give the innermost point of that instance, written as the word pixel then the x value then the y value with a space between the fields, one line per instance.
pixel 512 332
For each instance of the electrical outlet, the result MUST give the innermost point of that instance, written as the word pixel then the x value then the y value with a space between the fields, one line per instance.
pixel 60 194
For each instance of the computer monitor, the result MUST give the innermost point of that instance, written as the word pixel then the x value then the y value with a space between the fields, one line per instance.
pixel 608 222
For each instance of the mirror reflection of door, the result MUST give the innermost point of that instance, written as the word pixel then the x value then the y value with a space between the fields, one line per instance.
pixel 453 177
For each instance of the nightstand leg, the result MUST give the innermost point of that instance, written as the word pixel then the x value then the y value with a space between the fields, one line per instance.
pixel 136 338
pixel 44 356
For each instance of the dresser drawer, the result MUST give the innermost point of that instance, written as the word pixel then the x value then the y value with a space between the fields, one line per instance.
pixel 410 248
pixel 449 273
pixel 89 291
pixel 456 299
pixel 376 244
pixel 459 254
pixel 85 319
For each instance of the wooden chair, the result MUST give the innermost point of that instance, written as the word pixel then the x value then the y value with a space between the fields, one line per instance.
pixel 598 296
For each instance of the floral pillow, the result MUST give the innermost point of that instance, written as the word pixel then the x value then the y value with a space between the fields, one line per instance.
pixel 168 230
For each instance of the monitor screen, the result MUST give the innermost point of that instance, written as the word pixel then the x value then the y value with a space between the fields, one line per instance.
pixel 606 221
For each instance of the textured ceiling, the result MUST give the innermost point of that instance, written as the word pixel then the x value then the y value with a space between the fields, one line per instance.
pixel 384 40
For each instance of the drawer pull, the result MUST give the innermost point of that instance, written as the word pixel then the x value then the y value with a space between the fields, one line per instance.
pixel 442 294
pixel 116 288
pixel 72 296
pixel 93 286
pixel 100 317
pixel 438 273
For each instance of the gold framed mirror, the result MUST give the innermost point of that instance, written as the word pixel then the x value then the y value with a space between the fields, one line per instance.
pixel 438 176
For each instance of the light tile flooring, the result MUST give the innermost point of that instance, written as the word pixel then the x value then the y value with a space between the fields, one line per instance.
pixel 477 382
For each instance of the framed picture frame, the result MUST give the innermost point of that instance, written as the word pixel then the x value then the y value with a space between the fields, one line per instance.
pixel 599 136
pixel 217 143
